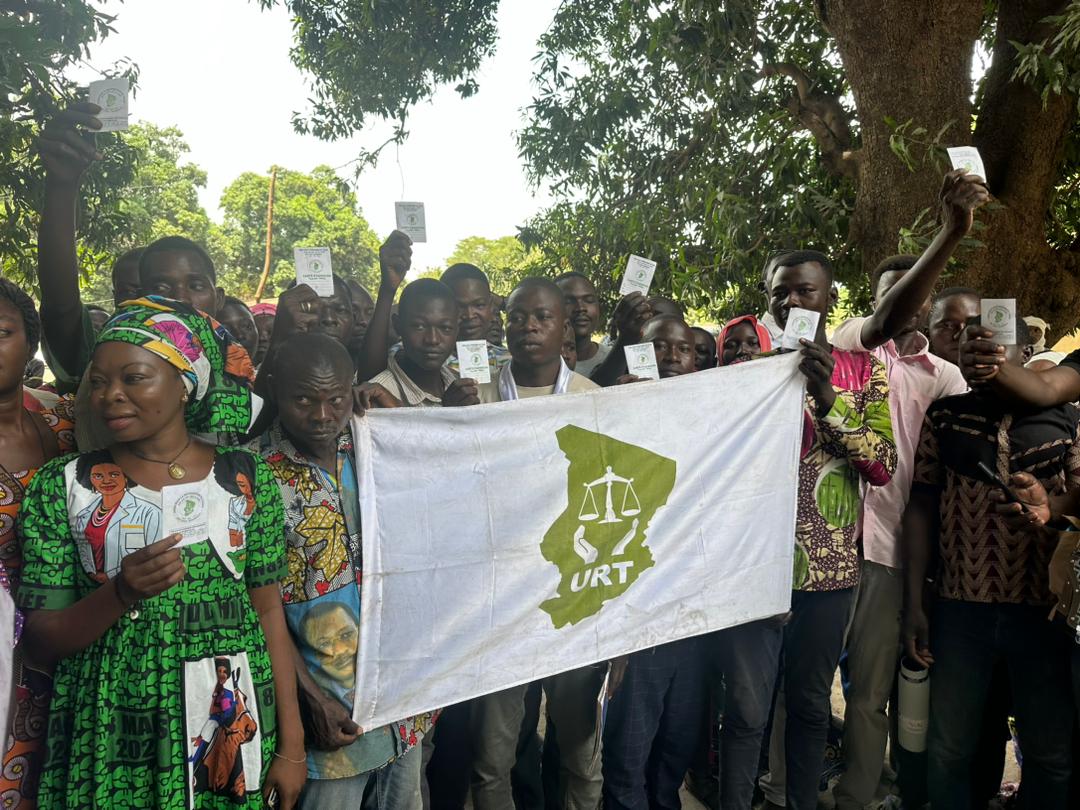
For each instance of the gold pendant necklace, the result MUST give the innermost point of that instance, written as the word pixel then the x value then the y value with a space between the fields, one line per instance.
pixel 176 471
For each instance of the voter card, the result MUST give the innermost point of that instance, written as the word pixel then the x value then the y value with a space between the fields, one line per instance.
pixel 638 275
pixel 641 361
pixel 185 510
pixel 313 268
pixel 999 316
pixel 801 323
pixel 112 96
pixel 968 159
pixel 410 220
pixel 472 358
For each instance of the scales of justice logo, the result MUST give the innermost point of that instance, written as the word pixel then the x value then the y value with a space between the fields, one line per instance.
pixel 598 543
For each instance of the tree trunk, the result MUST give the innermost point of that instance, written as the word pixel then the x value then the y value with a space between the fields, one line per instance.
pixel 911 60
pixel 908 60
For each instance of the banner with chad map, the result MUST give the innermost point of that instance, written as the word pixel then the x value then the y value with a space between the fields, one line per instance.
pixel 504 543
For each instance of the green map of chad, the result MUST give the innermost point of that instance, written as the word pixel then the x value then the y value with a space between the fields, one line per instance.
pixel 613 490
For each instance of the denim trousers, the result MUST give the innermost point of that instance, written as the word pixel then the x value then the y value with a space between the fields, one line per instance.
pixel 968 639
pixel 395 786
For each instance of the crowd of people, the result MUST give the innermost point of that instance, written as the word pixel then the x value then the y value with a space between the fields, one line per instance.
pixel 154 672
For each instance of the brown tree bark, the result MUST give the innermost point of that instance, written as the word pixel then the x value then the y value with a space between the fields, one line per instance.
pixel 912 60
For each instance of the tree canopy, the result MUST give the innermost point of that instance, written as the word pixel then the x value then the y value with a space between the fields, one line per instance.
pixel 310 210
pixel 707 134
pixel 39 42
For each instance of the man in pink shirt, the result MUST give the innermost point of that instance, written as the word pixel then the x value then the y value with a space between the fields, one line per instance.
pixel 916 379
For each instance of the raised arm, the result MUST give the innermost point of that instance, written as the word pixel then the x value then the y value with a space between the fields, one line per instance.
pixel 395 258
pixel 982 362
pixel 960 195
pixel 65 154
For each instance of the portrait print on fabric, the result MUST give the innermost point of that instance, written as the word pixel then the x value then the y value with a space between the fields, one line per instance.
pixel 112 516
pixel 221 726
pixel 109 519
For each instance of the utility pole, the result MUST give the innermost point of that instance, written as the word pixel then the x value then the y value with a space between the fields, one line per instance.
pixel 269 235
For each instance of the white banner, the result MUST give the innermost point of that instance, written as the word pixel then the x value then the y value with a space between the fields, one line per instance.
pixel 504 543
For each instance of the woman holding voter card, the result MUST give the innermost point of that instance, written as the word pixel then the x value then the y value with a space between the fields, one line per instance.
pixel 162 616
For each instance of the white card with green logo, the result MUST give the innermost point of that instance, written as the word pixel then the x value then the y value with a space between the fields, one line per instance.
pixel 638 275
pixel 801 323
pixel 999 316
pixel 473 360
pixel 185 510
pixel 968 159
pixel 112 96
pixel 641 361
pixel 410 220
pixel 314 269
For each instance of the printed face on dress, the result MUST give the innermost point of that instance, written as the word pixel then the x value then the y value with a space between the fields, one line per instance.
pixel 107 478
pixel 807 286
pixel 704 349
pixel 673 342
pixel 222 674
pixel 475 308
pixel 948 317
pixel 243 484
pixel 134 392
pixel 741 344
pixel 535 325
pixel 183 276
pixel 241 325
pixel 334 637
pixel 428 330
pixel 582 305
pixel 14 351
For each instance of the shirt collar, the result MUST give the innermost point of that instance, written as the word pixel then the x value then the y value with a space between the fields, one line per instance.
pixel 275 439
pixel 414 394
pixel 921 355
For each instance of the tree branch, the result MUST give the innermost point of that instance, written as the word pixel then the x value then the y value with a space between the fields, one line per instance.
pixel 823 116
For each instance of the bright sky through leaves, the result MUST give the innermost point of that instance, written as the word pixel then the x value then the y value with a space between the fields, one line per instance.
pixel 220 71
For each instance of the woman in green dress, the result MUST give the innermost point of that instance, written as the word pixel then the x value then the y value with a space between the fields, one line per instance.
pixel 174 683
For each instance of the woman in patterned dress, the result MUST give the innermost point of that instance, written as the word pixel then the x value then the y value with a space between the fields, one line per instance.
pixel 29 436
pixel 137 655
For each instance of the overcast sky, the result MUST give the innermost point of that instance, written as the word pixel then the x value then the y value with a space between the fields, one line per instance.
pixel 220 71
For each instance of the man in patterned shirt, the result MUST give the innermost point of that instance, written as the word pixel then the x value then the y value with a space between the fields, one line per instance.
pixel 991 594
pixel 309 449
pixel 847 440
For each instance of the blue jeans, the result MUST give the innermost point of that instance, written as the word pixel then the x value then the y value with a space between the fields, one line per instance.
pixel 395 786
pixel 749 658
pixel 967 640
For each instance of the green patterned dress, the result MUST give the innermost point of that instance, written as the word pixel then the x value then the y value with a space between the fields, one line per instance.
pixel 174 706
